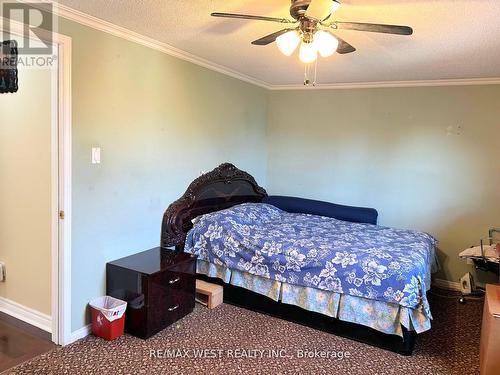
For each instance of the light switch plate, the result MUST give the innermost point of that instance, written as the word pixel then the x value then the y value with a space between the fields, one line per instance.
pixel 96 155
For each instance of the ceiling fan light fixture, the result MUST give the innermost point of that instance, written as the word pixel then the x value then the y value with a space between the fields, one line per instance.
pixel 308 53
pixel 288 42
pixel 325 43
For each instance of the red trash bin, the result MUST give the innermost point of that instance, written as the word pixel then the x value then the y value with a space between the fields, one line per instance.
pixel 108 317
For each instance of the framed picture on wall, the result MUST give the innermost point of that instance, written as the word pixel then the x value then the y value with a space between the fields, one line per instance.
pixel 8 67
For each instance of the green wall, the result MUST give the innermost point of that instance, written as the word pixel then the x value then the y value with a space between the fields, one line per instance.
pixel 159 121
pixel 390 149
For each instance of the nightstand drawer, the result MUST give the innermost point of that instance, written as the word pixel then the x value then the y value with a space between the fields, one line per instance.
pixel 171 297
pixel 162 316
pixel 181 278
pixel 171 288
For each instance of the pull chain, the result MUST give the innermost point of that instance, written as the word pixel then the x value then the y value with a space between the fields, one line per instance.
pixel 315 71
pixel 307 73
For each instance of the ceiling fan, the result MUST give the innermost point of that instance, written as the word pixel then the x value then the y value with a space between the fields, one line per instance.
pixel 313 28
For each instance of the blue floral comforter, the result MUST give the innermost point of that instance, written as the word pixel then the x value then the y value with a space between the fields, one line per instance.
pixel 362 260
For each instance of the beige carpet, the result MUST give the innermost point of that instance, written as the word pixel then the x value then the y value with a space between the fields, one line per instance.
pixel 233 335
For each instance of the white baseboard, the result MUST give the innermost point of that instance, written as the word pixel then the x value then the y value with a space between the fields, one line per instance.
pixel 446 284
pixel 79 334
pixel 26 314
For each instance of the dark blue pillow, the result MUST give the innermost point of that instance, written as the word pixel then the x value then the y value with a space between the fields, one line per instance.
pixel 313 207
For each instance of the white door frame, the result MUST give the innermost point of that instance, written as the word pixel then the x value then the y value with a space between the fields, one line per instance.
pixel 61 251
pixel 61 183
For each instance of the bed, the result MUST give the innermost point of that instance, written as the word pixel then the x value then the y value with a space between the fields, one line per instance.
pixel 316 263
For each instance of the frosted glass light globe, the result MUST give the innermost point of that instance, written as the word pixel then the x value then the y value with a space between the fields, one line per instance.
pixel 288 42
pixel 326 44
pixel 308 53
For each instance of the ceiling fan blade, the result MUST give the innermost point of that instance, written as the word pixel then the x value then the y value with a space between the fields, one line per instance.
pixel 249 17
pixel 321 9
pixel 374 28
pixel 268 39
pixel 343 47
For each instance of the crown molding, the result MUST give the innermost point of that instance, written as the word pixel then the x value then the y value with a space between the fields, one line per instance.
pixel 388 84
pixel 121 32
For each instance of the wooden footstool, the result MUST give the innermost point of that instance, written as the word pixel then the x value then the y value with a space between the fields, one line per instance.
pixel 208 294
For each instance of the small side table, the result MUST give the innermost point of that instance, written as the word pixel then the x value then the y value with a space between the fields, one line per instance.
pixel 158 285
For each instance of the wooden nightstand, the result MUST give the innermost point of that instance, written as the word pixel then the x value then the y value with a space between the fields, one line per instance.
pixel 490 332
pixel 158 285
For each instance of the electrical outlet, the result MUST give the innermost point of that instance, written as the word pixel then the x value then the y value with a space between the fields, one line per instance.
pixel 2 271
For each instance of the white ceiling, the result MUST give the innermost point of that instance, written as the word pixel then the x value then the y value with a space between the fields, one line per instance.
pixel 453 39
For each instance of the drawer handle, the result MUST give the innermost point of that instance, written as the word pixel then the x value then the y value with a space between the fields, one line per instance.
pixel 173 308
pixel 174 280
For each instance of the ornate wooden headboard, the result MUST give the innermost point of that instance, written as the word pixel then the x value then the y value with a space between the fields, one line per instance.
pixel 221 188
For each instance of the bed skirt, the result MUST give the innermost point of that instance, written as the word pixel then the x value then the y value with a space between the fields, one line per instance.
pixel 256 302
